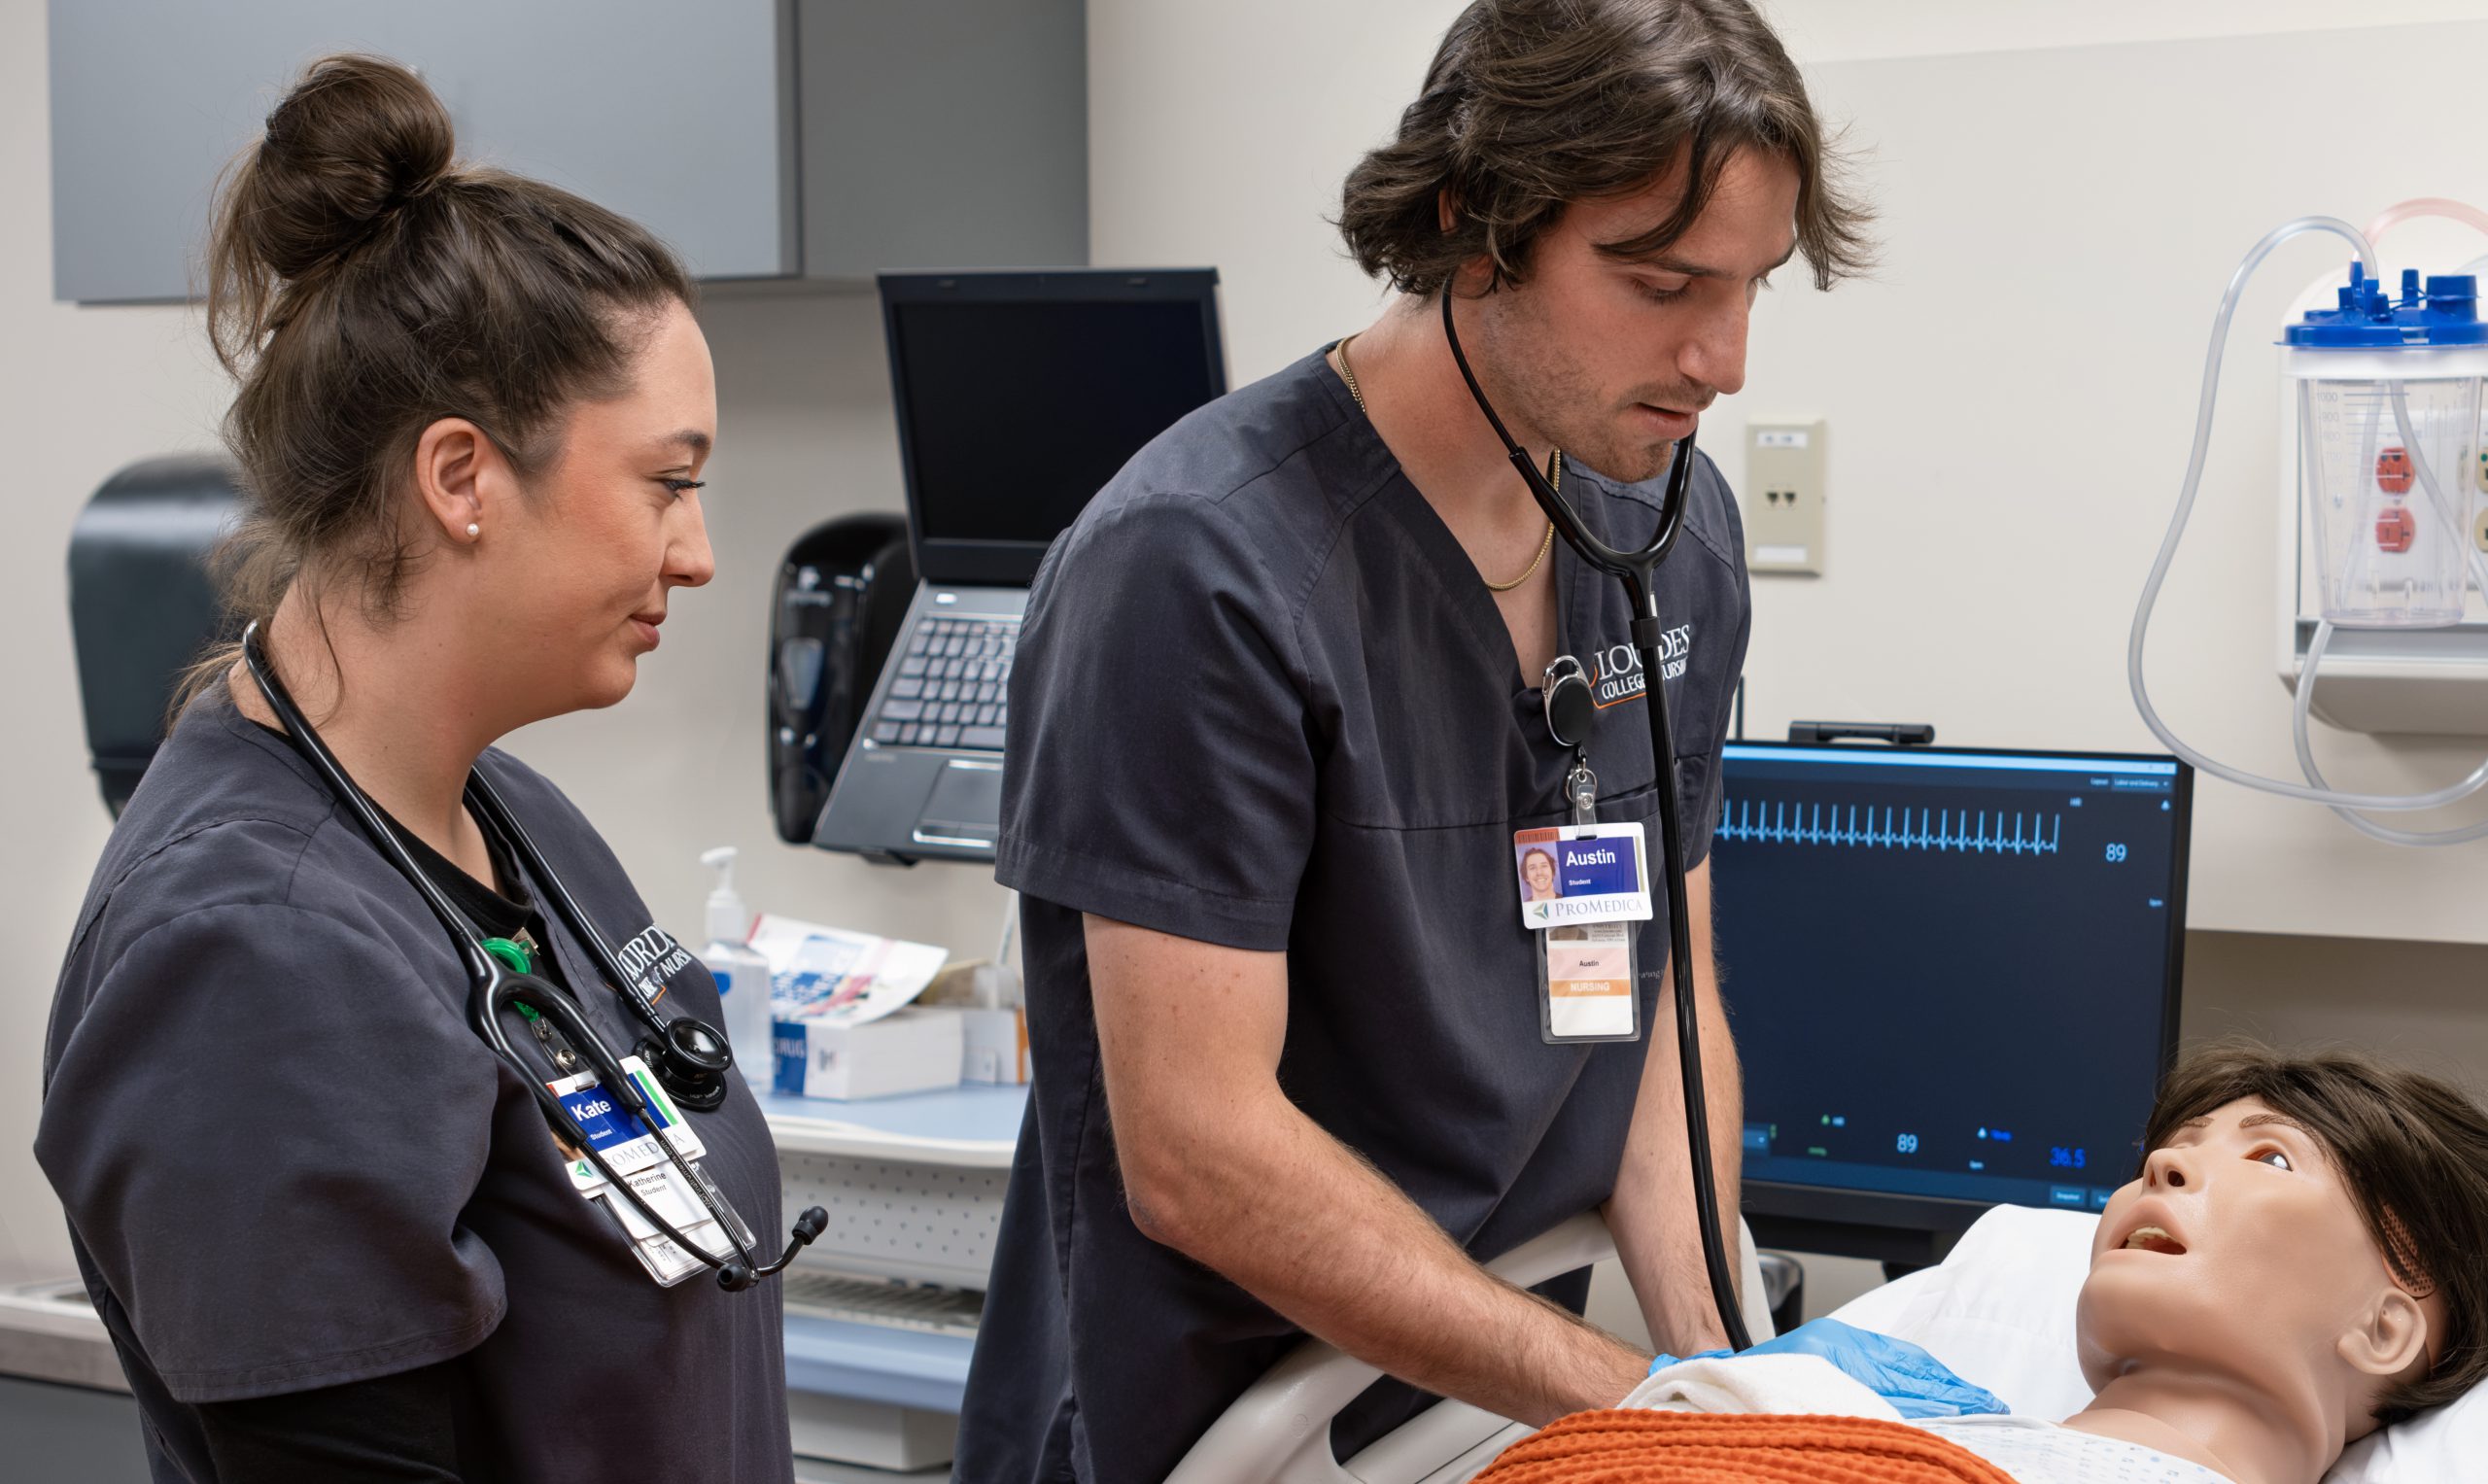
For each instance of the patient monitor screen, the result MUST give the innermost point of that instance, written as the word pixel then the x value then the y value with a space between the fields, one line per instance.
pixel 1951 974
pixel 1017 412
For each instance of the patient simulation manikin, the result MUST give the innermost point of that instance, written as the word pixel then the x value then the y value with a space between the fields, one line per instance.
pixel 2245 1316
pixel 2240 1322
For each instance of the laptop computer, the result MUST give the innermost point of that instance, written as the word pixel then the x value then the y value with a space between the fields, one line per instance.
pixel 1019 393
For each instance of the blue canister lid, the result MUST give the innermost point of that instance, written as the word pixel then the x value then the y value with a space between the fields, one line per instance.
pixel 2445 313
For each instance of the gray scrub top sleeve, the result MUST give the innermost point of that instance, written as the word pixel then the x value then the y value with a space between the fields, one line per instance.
pixel 265 1128
pixel 1160 769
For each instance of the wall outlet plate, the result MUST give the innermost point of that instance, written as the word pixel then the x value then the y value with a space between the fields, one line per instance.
pixel 1784 496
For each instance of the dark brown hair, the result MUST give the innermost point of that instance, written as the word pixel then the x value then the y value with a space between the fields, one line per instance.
pixel 1533 105
pixel 361 285
pixel 2413 1151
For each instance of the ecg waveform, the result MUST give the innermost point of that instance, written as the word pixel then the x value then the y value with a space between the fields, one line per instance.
pixel 1982 832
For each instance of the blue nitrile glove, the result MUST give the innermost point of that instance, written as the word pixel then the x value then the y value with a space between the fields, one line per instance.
pixel 1913 1382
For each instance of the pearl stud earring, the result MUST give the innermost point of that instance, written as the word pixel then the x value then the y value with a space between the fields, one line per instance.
pixel 474 530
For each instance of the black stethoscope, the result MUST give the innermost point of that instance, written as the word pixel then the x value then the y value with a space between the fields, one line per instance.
pixel 1637 571
pixel 688 1056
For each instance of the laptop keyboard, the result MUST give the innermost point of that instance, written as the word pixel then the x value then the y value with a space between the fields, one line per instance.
pixel 952 686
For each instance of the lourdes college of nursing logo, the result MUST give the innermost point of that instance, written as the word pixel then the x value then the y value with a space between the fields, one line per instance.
pixel 652 954
pixel 1618 667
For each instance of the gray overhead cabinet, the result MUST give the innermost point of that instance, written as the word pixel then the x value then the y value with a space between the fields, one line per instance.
pixel 787 140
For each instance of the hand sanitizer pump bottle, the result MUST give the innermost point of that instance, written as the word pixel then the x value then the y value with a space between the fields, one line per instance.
pixel 741 974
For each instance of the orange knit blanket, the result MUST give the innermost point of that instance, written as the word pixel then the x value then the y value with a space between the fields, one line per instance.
pixel 1620 1447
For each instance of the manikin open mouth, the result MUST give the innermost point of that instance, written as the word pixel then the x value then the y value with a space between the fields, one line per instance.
pixel 2153 1239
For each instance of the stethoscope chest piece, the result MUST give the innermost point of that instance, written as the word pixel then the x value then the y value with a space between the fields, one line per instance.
pixel 691 1061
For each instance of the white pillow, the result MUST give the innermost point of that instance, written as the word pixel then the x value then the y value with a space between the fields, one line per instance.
pixel 1999 1312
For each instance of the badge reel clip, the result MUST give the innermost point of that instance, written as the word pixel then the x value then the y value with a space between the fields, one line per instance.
pixel 1587 971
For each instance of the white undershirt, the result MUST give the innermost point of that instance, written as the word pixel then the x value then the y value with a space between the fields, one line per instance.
pixel 2036 1452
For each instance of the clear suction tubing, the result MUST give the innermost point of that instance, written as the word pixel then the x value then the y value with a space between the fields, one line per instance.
pixel 2389 405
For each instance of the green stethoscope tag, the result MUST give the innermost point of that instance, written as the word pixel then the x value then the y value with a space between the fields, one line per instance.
pixel 516 956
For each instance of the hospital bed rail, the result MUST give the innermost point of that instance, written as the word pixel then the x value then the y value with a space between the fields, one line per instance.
pixel 1279 1431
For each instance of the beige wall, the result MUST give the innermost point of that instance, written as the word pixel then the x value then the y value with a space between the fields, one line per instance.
pixel 1219 135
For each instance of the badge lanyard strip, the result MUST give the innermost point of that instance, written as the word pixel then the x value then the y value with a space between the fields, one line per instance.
pixel 1637 571
pixel 1568 709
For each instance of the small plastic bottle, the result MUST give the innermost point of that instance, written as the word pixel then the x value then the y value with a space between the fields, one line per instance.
pixel 741 974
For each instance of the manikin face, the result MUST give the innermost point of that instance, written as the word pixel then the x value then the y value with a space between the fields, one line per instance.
pixel 2240 1252
pixel 582 566
pixel 1612 359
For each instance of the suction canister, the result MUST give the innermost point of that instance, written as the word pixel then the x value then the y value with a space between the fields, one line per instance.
pixel 2388 395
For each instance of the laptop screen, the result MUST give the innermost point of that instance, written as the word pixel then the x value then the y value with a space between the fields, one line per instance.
pixel 1955 974
pixel 1020 395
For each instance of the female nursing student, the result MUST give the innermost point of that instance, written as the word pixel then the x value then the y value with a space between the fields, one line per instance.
pixel 329 1231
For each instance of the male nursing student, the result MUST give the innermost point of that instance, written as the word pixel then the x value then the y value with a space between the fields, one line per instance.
pixel 1276 722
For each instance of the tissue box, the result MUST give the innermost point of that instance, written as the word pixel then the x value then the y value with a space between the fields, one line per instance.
pixel 908 1051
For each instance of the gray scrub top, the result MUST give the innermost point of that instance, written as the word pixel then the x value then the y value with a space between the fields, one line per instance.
pixel 289 1162
pixel 1263 699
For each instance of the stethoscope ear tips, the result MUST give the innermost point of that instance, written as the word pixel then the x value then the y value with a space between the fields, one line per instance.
pixel 811 1225
pixel 735 1277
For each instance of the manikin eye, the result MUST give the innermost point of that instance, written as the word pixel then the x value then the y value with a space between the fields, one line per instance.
pixel 2277 1159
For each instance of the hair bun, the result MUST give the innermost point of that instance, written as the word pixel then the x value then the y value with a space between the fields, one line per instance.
pixel 358 137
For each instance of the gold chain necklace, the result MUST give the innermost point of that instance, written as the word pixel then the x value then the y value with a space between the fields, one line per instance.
pixel 1554 476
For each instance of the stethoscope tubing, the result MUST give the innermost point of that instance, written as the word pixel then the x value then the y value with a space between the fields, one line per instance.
pixel 486 1003
pixel 1637 571
pixel 492 986
pixel 630 987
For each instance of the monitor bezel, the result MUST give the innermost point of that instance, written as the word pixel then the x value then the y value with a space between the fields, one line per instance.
pixel 952 561
pixel 1914 1231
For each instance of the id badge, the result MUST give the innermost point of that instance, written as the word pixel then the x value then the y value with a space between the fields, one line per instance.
pixel 663 1259
pixel 1586 983
pixel 625 1143
pixel 630 1146
pixel 1581 874
pixel 1582 888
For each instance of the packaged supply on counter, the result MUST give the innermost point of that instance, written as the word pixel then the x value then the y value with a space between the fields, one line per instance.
pixel 831 974
pixel 842 1026
pixel 994 1047
pixel 916 1049
pixel 988 999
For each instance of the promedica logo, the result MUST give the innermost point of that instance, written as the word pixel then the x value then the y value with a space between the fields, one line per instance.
pixel 1620 677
